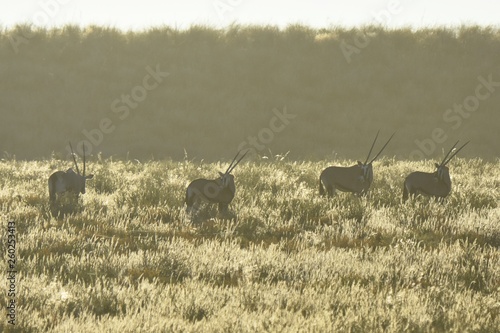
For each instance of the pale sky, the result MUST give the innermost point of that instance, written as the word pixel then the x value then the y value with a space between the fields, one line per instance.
pixel 219 13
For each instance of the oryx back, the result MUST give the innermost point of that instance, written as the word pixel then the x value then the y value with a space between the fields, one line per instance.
pixel 436 184
pixel 66 181
pixel 212 191
pixel 220 191
pixel 355 179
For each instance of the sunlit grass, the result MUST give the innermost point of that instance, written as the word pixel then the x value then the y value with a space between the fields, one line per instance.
pixel 125 254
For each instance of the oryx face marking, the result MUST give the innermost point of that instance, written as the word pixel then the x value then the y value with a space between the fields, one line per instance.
pixel 226 179
pixel 355 179
pixel 436 184
pixel 366 172
pixel 442 172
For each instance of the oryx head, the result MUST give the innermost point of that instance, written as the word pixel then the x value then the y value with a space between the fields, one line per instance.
pixel 227 178
pixel 80 178
pixel 366 173
pixel 442 171
pixel 366 167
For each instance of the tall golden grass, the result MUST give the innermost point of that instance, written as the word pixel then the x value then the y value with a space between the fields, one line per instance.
pixel 125 257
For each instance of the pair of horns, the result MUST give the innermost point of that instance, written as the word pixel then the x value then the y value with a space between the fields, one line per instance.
pixel 74 159
pixel 453 155
pixel 231 166
pixel 381 150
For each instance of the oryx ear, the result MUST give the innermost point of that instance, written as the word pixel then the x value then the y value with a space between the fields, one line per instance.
pixel 437 165
pixel 221 174
pixel 89 176
pixel 359 163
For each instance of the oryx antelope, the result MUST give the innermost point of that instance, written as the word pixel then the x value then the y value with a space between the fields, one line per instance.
pixel 68 181
pixel 356 179
pixel 436 184
pixel 220 191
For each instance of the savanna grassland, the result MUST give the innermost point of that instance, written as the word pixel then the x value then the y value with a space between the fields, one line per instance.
pixel 125 257
pixel 161 107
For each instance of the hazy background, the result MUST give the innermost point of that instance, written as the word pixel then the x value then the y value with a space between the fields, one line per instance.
pixel 391 66
pixel 219 13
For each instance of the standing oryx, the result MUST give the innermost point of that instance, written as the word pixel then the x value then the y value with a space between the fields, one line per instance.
pixel 220 190
pixel 356 179
pixel 436 184
pixel 68 181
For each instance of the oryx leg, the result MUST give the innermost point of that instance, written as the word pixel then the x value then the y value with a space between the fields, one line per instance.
pixel 195 207
pixel 52 188
pixel 189 204
pixel 321 189
pixel 409 192
pixel 192 200
pixel 330 190
pixel 405 193
pixel 223 207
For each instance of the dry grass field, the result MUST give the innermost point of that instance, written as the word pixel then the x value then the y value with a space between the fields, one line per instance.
pixel 159 108
pixel 125 257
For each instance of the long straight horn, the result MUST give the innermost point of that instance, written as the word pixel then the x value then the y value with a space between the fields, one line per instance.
pixel 235 164
pixel 84 160
pixel 230 165
pixel 373 144
pixel 453 155
pixel 442 162
pixel 74 159
pixel 381 150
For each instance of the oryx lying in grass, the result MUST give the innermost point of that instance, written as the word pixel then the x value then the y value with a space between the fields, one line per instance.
pixel 220 191
pixel 68 181
pixel 356 179
pixel 436 184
